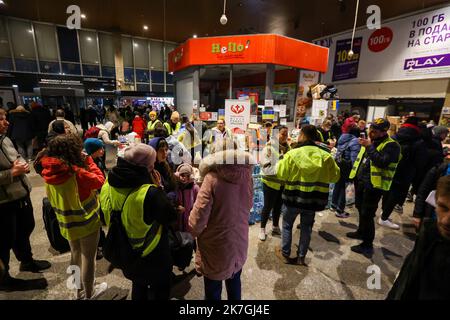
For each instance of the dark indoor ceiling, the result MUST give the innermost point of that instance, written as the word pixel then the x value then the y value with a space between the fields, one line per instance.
pixel 302 19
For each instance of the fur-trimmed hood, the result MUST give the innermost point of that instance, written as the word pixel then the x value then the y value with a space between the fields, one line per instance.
pixel 230 165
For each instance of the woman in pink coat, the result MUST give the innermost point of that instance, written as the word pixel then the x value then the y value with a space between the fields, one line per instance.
pixel 219 219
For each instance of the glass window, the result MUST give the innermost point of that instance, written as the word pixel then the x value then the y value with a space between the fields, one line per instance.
pixel 109 72
pixel 49 67
pixel 4 40
pixel 25 65
pixel 156 54
pixel 46 42
pixel 169 78
pixel 141 58
pixel 89 49
pixel 142 76
pixel 6 64
pixel 129 75
pixel 107 49
pixel 144 87
pixel 157 76
pixel 169 89
pixel 91 70
pixel 157 88
pixel 22 36
pixel 127 51
pixel 68 45
pixel 71 68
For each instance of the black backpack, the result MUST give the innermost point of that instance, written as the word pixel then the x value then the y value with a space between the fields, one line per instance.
pixel 182 246
pixel 57 241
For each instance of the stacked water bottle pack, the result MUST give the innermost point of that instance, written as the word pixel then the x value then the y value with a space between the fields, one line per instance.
pixel 258 197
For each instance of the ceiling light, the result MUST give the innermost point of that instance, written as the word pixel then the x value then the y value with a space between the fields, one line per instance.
pixel 224 19
pixel 89 39
pixel 145 27
pixel 14 85
pixel 30 31
pixel 2 2
pixel 194 36
pixel 136 45
pixel 83 16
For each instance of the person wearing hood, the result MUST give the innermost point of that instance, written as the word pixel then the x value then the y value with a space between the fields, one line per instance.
pixel 72 180
pixel 186 194
pixel 414 159
pixel 146 215
pixel 219 222
pixel 348 148
pixel 440 133
pixel 105 134
pixel 275 149
pixel 307 172
pixel 168 180
pixel 373 171
pixel 153 124
pixel 173 126
pixel 21 131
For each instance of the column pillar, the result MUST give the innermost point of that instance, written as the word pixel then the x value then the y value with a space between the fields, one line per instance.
pixel 270 81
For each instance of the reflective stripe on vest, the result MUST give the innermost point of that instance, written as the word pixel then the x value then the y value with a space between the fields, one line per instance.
pixel 380 178
pixel 141 236
pixel 76 219
pixel 170 130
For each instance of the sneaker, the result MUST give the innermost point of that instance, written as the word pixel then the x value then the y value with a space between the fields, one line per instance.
pixel 398 209
pixel 388 224
pixel 285 259
pixel 354 235
pixel 35 266
pixel 10 284
pixel 99 290
pixel 343 215
pixel 276 231
pixel 364 250
pixel 262 235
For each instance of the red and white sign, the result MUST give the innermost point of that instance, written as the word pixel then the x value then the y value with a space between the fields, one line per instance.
pixel 380 39
pixel 237 115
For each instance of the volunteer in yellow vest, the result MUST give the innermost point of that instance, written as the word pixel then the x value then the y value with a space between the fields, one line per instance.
pixel 326 135
pixel 373 172
pixel 153 124
pixel 173 126
pixel 71 180
pixel 147 213
pixel 306 172
pixel 272 186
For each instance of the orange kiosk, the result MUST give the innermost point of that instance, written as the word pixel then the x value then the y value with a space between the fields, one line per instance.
pixel 270 50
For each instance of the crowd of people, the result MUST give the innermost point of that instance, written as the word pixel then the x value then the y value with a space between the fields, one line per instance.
pixel 156 195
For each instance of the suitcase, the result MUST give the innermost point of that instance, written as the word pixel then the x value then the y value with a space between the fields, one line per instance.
pixel 57 241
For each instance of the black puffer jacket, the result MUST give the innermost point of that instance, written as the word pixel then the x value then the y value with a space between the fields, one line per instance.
pixel 156 207
pixel 421 208
pixel 414 155
pixel 21 127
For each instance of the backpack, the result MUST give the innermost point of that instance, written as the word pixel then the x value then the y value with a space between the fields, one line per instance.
pixel 52 228
pixel 91 133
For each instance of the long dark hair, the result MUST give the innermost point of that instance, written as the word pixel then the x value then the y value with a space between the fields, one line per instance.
pixel 67 148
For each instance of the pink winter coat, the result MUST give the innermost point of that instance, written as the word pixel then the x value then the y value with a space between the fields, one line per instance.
pixel 220 215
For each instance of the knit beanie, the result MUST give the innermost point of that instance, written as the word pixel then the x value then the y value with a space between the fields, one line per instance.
pixel 141 155
pixel 92 145
pixel 185 168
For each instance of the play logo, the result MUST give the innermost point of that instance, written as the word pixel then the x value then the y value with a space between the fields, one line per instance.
pixel 237 109
pixel 442 60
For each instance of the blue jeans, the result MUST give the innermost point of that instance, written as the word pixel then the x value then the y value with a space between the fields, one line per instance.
pixel 339 201
pixel 306 223
pixel 213 288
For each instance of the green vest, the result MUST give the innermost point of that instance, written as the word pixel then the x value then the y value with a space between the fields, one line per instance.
pixel 76 219
pixel 380 178
pixel 170 130
pixel 142 237
pixel 151 127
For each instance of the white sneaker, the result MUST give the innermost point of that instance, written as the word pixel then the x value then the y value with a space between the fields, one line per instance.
pixel 388 224
pixel 99 290
pixel 262 235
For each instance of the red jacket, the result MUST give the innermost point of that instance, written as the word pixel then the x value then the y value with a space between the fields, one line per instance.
pixel 56 172
pixel 139 126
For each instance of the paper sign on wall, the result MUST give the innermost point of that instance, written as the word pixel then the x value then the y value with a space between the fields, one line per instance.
pixel 283 122
pixel 283 109
pixel 269 103
pixel 254 119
